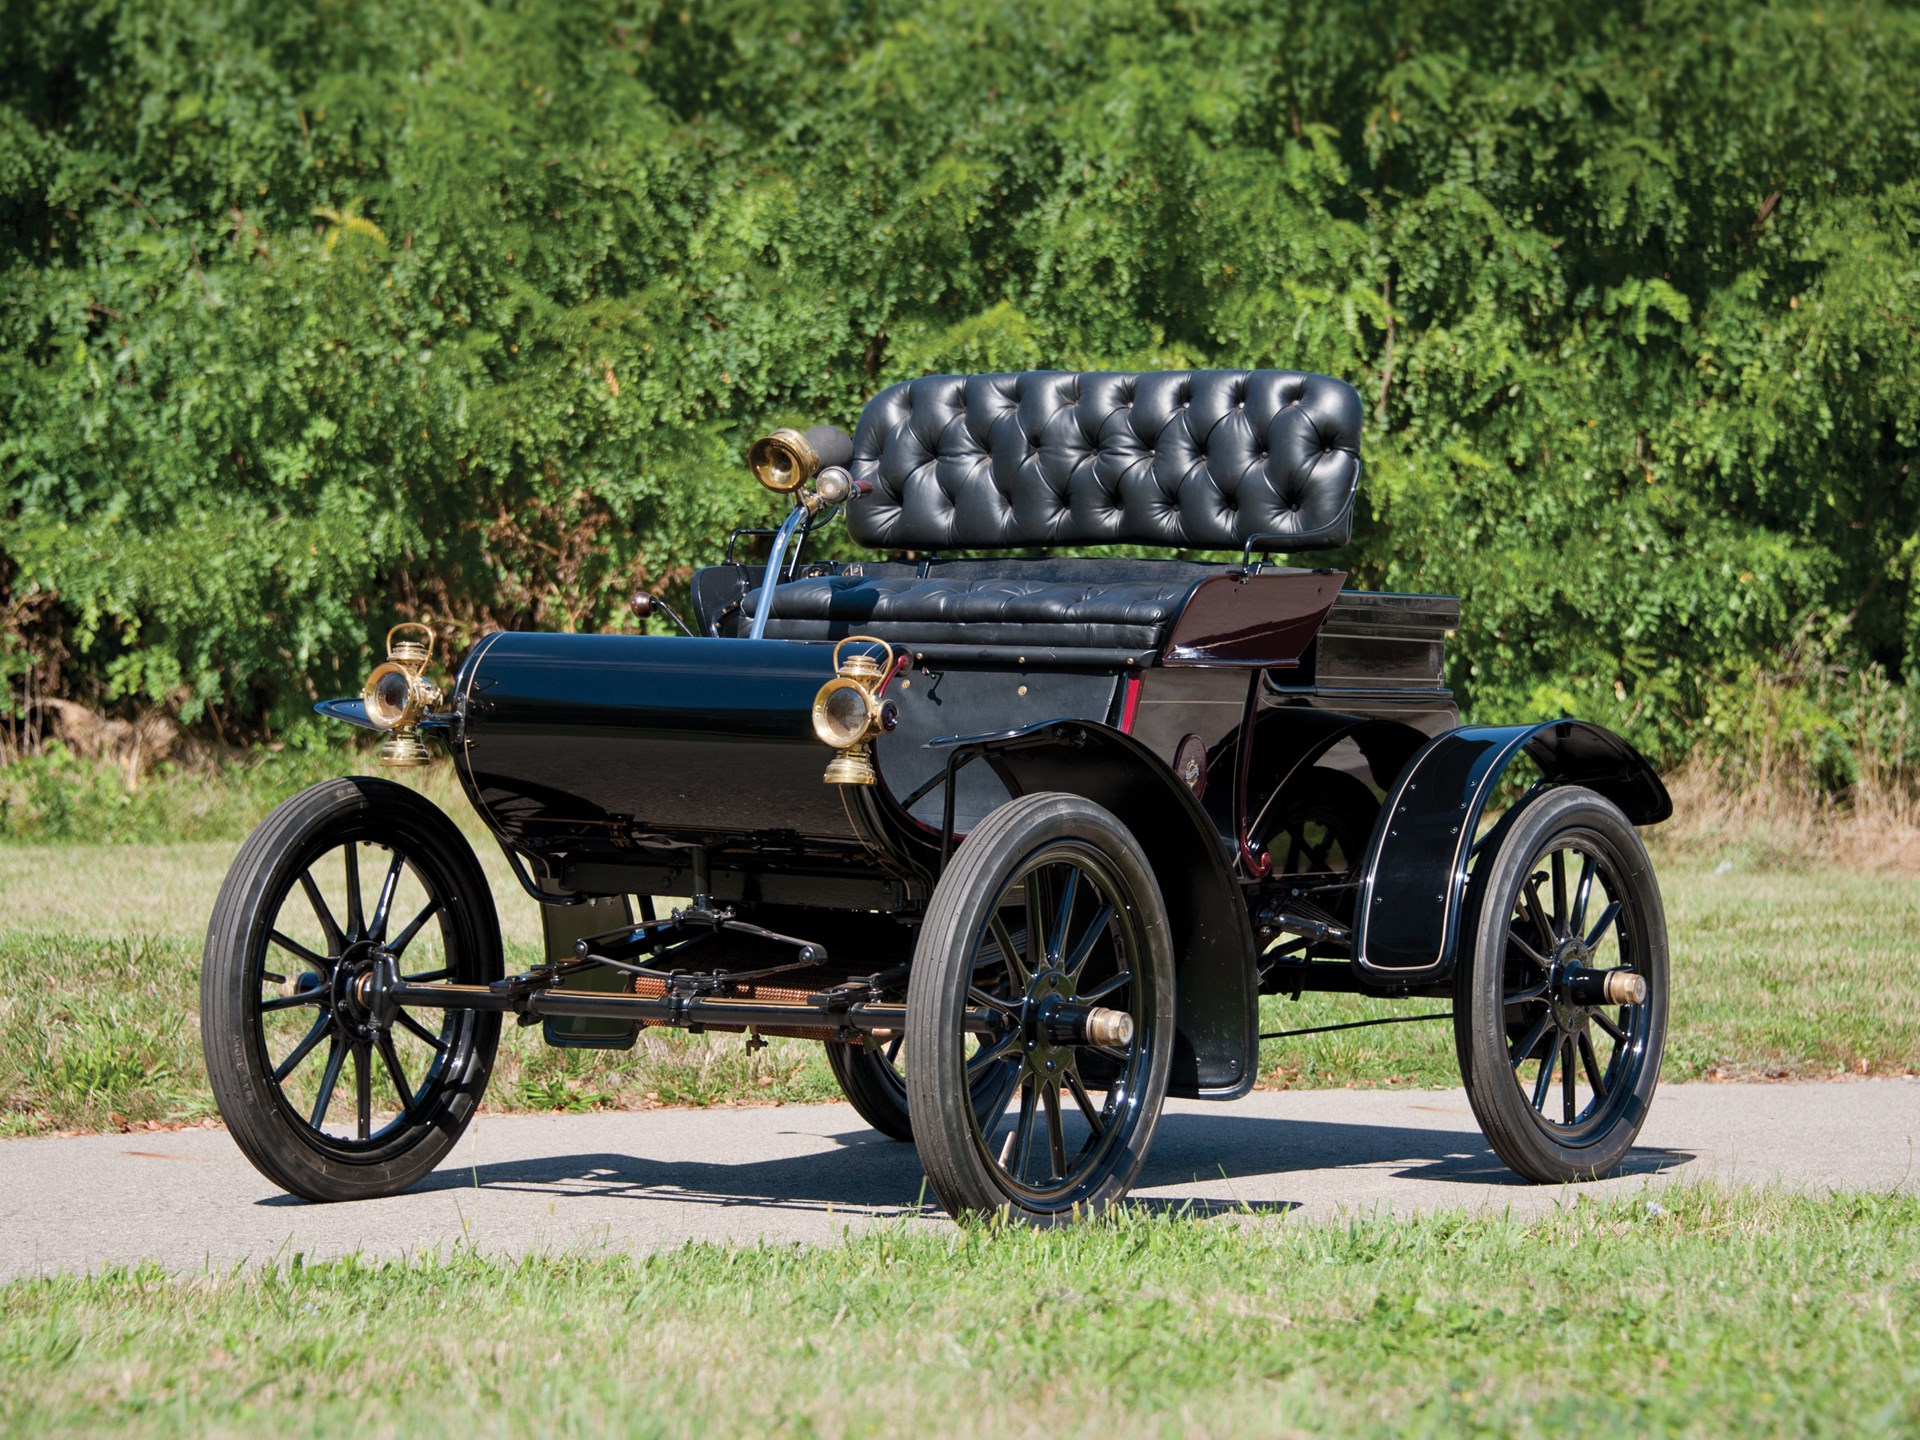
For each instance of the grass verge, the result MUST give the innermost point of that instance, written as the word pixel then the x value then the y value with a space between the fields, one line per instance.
pixel 1710 1312
pixel 99 988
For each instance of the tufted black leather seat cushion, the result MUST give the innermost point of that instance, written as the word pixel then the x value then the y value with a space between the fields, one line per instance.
pixel 1063 604
pixel 1196 459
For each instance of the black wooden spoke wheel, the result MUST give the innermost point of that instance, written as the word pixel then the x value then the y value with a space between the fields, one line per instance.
pixel 873 1076
pixel 1560 1013
pixel 1321 825
pixel 325 1099
pixel 1040 1015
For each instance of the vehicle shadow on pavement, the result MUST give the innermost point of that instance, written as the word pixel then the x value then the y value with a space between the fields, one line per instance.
pixel 1200 1148
pixel 867 1174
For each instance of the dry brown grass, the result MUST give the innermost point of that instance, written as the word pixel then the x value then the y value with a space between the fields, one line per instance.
pixel 1789 824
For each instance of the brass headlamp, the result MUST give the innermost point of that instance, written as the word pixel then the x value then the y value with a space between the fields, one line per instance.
pixel 783 461
pixel 848 711
pixel 398 693
pixel 810 465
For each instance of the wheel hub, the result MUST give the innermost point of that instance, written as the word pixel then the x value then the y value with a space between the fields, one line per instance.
pixel 353 994
pixel 1569 964
pixel 1048 1050
pixel 1055 1022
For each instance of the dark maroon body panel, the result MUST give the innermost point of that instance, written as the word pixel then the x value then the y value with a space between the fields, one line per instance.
pixel 1266 620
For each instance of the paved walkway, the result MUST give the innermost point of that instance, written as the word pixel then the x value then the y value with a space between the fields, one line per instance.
pixel 808 1172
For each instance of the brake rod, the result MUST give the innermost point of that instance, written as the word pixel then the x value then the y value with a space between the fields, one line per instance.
pixel 679 1011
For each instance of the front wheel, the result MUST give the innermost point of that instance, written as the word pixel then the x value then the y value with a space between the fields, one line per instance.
pixel 329 1101
pixel 1560 1009
pixel 1043 975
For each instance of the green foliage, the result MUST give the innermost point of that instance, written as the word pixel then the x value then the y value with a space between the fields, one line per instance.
pixel 314 316
pixel 55 795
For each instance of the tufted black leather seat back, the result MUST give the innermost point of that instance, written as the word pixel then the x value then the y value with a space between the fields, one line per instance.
pixel 1198 459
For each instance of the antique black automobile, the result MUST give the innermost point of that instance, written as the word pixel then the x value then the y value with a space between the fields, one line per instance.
pixel 1021 840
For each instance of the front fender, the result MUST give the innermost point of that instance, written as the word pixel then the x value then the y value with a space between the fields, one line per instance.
pixel 1413 885
pixel 353 710
pixel 1216 1024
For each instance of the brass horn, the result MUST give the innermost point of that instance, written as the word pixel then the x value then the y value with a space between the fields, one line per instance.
pixel 783 461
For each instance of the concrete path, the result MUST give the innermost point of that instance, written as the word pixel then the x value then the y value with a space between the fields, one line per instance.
pixel 809 1172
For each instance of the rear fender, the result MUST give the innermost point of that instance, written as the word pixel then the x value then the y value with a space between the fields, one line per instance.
pixel 1215 1051
pixel 1413 886
pixel 1290 744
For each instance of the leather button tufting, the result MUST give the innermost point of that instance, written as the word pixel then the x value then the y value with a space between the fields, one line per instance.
pixel 1140 458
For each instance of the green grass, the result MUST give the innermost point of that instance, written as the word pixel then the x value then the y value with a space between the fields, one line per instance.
pixel 100 993
pixel 1710 1312
pixel 100 948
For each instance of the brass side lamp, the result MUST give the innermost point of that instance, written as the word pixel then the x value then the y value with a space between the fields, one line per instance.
pixel 783 461
pixel 848 711
pixel 398 693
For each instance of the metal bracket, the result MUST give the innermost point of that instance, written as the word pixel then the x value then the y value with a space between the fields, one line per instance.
pixel 679 932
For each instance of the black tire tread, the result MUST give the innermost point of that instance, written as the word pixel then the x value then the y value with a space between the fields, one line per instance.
pixel 251 1116
pixel 1484 1067
pixel 933 1007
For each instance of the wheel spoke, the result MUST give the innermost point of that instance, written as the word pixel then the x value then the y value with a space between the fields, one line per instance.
pixel 362 1091
pixel 319 964
pixel 414 1027
pixel 1592 1063
pixel 321 1024
pixel 1106 987
pixel 405 937
pixel 1061 917
pixel 1514 938
pixel 1095 1122
pixel 1009 951
pixel 1021 1138
pixel 336 1053
pixel 1559 867
pixel 1543 1082
pixel 1566 1078
pixel 298 1000
pixel 391 1059
pixel 1582 892
pixel 892 1052
pixel 990 1054
pixel 356 913
pixel 1077 962
pixel 383 907
pixel 336 941
pixel 994 1110
pixel 1532 891
pixel 1604 924
pixel 1037 949
pixel 1531 993
pixel 1056 1134
pixel 1524 1050
pixel 992 1002
pixel 1605 1022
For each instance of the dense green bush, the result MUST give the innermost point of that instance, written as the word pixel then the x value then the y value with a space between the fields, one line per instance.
pixel 311 316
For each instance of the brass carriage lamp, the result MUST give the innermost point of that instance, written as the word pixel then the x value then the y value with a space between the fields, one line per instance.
pixel 783 461
pixel 398 693
pixel 848 712
pixel 810 465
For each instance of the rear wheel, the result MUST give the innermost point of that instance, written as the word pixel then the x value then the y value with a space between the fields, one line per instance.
pixel 326 1100
pixel 1044 963
pixel 1321 825
pixel 873 1076
pixel 1560 1012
